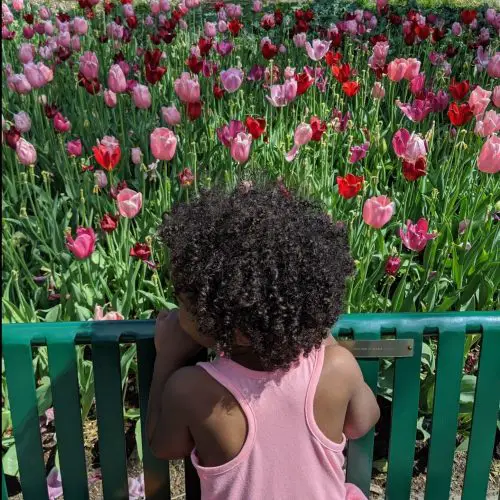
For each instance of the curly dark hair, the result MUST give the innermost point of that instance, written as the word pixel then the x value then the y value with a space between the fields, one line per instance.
pixel 260 261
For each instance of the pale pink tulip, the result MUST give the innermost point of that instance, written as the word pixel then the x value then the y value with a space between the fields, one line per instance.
pixel 413 68
pixel 377 211
pixel 109 316
pixel 163 143
pixel 26 53
pixel 44 13
pixel 22 121
pixel 89 65
pixel 18 5
pixel 26 152
pixel 19 83
pixel 257 6
pixel 165 5
pixel 302 135
pixel 231 79
pixel 129 203
pixel 378 91
pixel 281 95
pixel 38 74
pixel 221 26
pixel 233 10
pixel 116 79
pixel 141 96
pixel 300 40
pixel 80 26
pixel 415 237
pixel 479 100
pixel 318 49
pixel 136 156
pixel 396 69
pixel 240 147
pixel 101 179
pixel 110 98
pixel 489 157
pixel 210 29
pixel 171 115
pixel 289 73
pixel 488 124
pixel 83 245
pixel 187 88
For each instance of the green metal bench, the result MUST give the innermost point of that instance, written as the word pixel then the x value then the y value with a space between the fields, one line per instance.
pixel 105 337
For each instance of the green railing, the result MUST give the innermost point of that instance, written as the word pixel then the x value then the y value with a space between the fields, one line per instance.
pixel 105 337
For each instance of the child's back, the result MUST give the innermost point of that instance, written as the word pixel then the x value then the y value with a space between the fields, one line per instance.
pixel 265 421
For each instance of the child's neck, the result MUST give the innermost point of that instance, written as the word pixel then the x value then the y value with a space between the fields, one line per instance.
pixel 246 357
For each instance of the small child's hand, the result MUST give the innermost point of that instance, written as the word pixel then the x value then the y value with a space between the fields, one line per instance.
pixel 171 338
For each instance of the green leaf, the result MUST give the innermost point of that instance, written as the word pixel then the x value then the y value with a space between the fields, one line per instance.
pixel 6 420
pixel 447 303
pixel 9 462
pixel 470 289
pixel 420 427
pixel 138 438
pixel 467 392
pixel 43 396
pixel 53 314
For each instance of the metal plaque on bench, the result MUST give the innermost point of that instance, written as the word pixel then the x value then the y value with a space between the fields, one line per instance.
pixel 389 348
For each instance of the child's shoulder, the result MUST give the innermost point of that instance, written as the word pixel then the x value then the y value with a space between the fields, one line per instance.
pixel 340 365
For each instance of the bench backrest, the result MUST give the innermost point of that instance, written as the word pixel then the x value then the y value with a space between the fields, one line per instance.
pixel 105 338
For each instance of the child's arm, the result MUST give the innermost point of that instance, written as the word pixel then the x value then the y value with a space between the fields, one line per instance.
pixel 166 425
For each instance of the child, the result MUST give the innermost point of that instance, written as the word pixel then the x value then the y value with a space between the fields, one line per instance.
pixel 259 276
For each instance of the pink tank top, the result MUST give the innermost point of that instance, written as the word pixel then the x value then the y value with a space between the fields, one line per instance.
pixel 285 455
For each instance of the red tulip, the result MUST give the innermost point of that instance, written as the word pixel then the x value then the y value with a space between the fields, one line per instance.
pixel 154 71
pixel 392 265
pixel 234 26
pixel 341 73
pixel 140 251
pixel 204 44
pixel 256 126
pixel 132 22
pixel 11 136
pixel 468 16
pixel 269 50
pixel 459 90
pixel 278 17
pixel 194 64
pixel 350 88
pixel 50 111
pixel 194 110
pixel 218 91
pixel 318 128
pixel 186 177
pixel 304 81
pixel 333 58
pixel 109 223
pixel 413 170
pixel 459 114
pixel 350 185
pixel 107 154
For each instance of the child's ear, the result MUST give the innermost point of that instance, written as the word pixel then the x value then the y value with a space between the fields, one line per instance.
pixel 241 340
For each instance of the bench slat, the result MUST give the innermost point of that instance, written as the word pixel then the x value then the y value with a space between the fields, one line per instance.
pixel 449 367
pixel 484 417
pixel 108 393
pixel 156 472
pixel 25 420
pixel 67 415
pixel 360 451
pixel 404 417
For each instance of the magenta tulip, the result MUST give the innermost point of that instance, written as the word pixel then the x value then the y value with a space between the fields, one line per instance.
pixel 129 203
pixel 377 211
pixel 26 152
pixel 163 143
pixel 74 148
pixel 415 237
pixel 83 245
pixel 61 123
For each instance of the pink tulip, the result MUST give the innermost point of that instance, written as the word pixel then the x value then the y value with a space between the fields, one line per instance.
pixel 302 135
pixel 479 100
pixel 61 123
pixel 417 84
pixel 22 122
pixel 317 50
pixel 80 26
pixel 240 147
pixel 413 68
pixel 38 74
pixel 490 16
pixel 44 13
pixel 416 236
pixel 281 95
pixel 396 69
pixel 84 245
pixel 378 91
pixel 64 40
pixel 155 7
pixel 487 125
pixel 187 88
pixel 101 179
pixel 257 6
pixel 49 28
pixel 400 141
pixel 300 40
pixel 136 156
pixel 171 115
pixel 74 148
pixel 416 111
pixel 163 143
pixel 109 316
pixel 289 73
pixel 416 148
pixel 493 68
pixel 380 51
pixel 495 98
pixel 26 152
pixel 26 53
pixel 110 98
pixel 377 211
pixel 19 83
pixel 192 4
pixel 128 10
pixel 210 29
pixel 18 5
pixel 116 79
pixel 114 31
pixel 75 43
pixel 164 5
pixel 456 29
pixel 231 79
pixel 221 26
pixel 141 96
pixel 489 157
pixel 227 133
pixel 129 203
pixel 183 24
pixel 233 10
pixel 89 65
